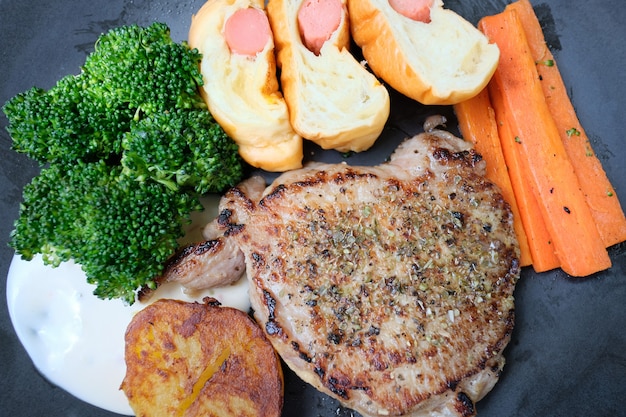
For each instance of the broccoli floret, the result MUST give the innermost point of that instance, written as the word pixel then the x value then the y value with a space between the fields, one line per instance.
pixel 121 231
pixel 128 145
pixel 53 126
pixel 132 72
pixel 47 224
pixel 165 74
pixel 181 149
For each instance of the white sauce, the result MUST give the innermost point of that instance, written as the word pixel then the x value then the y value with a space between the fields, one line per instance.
pixel 75 339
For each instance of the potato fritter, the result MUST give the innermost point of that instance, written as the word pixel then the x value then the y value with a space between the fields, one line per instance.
pixel 193 359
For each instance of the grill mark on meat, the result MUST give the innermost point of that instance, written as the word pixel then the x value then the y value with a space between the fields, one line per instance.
pixel 465 406
pixel 301 354
pixel 223 218
pixel 202 265
pixel 276 193
pixel 270 302
pixel 338 386
pixel 320 177
pixel 259 260
pixel 271 327
pixel 243 196
pixel 394 288
pixel 197 249
pixel 469 158
pixel 240 195
pixel 391 285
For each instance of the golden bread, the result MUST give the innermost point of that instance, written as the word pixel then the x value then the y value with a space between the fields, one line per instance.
pixel 194 359
pixel 445 61
pixel 242 91
pixel 333 99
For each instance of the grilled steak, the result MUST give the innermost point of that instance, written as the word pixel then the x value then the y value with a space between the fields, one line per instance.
pixel 214 262
pixel 391 287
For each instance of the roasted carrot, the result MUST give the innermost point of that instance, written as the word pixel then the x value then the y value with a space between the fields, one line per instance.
pixel 568 218
pixel 599 193
pixel 477 123
pixel 539 242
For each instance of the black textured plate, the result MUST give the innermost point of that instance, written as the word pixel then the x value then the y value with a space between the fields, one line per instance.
pixel 568 352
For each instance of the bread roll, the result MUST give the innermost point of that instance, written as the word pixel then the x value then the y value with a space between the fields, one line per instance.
pixel 333 100
pixel 444 61
pixel 200 360
pixel 242 91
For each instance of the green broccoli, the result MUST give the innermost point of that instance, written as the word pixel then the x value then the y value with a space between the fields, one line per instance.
pixel 121 231
pixel 133 71
pixel 127 146
pixel 165 74
pixel 183 154
pixel 52 126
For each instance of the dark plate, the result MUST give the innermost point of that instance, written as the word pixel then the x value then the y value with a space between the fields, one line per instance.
pixel 568 352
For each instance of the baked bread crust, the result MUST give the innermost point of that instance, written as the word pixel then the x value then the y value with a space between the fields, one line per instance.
pixel 442 62
pixel 242 92
pixel 333 100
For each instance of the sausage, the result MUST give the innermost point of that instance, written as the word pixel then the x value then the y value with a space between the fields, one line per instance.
pixel 247 31
pixel 317 20
pixel 418 10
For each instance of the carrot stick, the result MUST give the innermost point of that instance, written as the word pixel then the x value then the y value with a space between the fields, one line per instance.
pixel 568 218
pixel 539 241
pixel 477 123
pixel 600 194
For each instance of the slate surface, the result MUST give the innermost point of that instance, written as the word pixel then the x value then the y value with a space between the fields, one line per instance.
pixel 567 356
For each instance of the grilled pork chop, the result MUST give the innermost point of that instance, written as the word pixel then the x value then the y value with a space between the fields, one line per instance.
pixel 389 288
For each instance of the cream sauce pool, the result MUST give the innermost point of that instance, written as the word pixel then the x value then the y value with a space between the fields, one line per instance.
pixel 75 339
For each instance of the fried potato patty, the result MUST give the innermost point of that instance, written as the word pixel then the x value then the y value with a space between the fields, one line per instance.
pixel 193 359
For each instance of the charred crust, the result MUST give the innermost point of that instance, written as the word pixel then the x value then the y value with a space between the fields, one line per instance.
pixel 259 260
pixel 211 302
pixel 272 328
pixel 338 386
pixel 476 157
pixel 197 249
pixel 377 362
pixel 469 158
pixel 302 355
pixel 233 229
pixel 320 372
pixel 203 247
pixel 223 218
pixel 515 269
pixel 146 292
pixel 345 176
pixel 349 175
pixel 335 336
pixel 270 303
pixel 452 385
pixel 464 405
pixel 241 197
pixel 275 193
pixel 497 370
pixel 442 155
